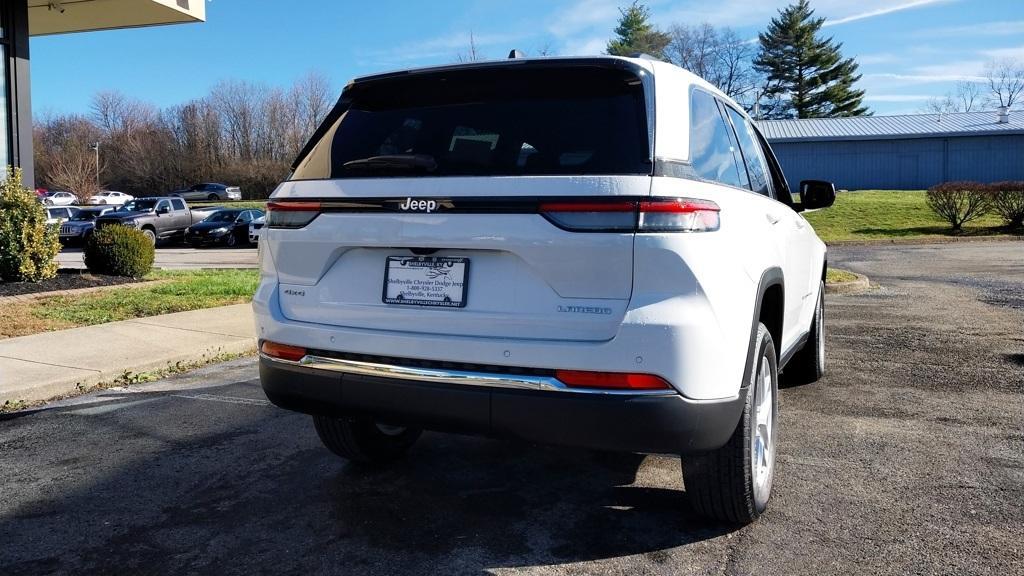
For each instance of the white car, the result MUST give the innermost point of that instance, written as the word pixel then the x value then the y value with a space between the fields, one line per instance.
pixel 597 252
pixel 58 214
pixel 256 229
pixel 59 199
pixel 109 197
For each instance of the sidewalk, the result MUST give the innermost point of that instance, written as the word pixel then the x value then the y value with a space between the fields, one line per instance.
pixel 45 365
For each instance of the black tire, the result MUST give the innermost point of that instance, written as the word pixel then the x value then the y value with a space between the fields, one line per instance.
pixel 363 440
pixel 231 241
pixel 721 484
pixel 213 197
pixel 150 235
pixel 808 365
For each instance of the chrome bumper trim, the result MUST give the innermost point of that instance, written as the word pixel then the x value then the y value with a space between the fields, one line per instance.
pixel 455 377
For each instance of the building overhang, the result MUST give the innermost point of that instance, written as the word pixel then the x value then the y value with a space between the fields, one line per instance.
pixel 64 16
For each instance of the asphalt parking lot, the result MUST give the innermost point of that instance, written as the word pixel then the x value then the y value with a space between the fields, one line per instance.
pixel 179 257
pixel 908 458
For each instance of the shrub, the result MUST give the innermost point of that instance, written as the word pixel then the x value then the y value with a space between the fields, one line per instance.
pixel 1007 200
pixel 959 202
pixel 28 247
pixel 119 251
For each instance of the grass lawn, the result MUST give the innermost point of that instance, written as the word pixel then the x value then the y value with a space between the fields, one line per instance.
pixel 886 215
pixel 834 275
pixel 182 290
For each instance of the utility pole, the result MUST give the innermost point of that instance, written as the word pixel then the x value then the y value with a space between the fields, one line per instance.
pixel 95 146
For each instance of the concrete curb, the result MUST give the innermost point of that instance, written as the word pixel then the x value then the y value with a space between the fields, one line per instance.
pixel 73 385
pixel 861 284
pixel 66 362
pixel 925 241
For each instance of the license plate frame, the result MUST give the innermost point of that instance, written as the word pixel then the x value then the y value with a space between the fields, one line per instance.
pixel 438 274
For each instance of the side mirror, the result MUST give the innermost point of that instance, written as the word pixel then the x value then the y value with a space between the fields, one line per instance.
pixel 163 210
pixel 816 194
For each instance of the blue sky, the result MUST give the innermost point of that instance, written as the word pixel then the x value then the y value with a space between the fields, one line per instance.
pixel 909 50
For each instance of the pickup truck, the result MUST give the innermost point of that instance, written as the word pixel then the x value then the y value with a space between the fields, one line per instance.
pixel 158 218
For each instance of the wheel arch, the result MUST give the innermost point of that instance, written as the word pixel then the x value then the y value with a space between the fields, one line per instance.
pixel 769 308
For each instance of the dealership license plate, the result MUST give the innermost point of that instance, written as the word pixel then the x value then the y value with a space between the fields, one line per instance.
pixel 426 281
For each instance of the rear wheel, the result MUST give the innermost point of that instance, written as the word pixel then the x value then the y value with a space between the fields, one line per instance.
pixel 213 197
pixel 365 440
pixel 808 365
pixel 232 240
pixel 734 482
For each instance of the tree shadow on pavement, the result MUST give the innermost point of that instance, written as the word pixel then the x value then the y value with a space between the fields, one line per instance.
pixel 169 484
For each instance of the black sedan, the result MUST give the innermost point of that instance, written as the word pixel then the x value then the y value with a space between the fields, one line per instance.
pixel 225 227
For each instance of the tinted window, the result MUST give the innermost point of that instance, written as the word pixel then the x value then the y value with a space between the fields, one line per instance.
pixel 756 167
pixel 139 205
pixel 490 121
pixel 712 149
pixel 178 203
pixel 223 216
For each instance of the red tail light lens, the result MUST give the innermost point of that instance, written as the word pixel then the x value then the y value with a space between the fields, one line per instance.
pixel 284 214
pixel 655 215
pixel 678 215
pixel 616 216
pixel 282 351
pixel 611 380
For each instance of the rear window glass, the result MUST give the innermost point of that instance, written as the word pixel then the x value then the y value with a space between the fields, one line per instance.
pixel 500 121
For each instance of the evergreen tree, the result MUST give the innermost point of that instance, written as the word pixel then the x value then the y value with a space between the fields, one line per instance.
pixel 635 33
pixel 806 74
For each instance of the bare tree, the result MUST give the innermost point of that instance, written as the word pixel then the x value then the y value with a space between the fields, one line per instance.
pixel 966 97
pixel 1005 81
pixel 63 158
pixel 472 53
pixel 717 55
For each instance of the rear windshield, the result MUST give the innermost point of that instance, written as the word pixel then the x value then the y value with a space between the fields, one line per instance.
pixel 500 121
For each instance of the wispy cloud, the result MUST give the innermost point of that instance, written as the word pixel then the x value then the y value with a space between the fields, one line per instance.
pixel 881 58
pixel 987 29
pixel 883 11
pixel 1012 53
pixel 584 15
pixel 439 48
pixel 897 97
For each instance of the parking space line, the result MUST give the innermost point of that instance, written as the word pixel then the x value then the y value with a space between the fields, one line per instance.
pixel 226 399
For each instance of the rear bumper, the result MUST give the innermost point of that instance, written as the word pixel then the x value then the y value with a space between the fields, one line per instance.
pixel 665 423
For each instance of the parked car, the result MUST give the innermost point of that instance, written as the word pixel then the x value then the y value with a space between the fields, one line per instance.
pixel 57 214
pixel 597 252
pixel 210 191
pixel 256 229
pixel 110 197
pixel 79 227
pixel 59 199
pixel 158 218
pixel 225 227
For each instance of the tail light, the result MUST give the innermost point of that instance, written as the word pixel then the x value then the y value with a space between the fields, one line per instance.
pixel 656 215
pixel 282 351
pixel 678 215
pixel 611 380
pixel 284 214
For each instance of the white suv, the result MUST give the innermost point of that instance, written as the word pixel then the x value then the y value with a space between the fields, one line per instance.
pixel 597 252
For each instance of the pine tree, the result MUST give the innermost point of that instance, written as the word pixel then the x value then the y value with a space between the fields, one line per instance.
pixel 807 74
pixel 635 33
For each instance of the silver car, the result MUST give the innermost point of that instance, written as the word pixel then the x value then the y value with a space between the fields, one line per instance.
pixel 210 191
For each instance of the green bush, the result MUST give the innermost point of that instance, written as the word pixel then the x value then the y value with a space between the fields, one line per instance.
pixel 28 247
pixel 1007 200
pixel 119 251
pixel 959 202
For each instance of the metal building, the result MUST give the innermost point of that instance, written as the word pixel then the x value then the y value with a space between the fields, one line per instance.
pixel 909 152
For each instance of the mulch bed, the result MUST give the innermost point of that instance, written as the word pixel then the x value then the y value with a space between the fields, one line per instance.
pixel 66 279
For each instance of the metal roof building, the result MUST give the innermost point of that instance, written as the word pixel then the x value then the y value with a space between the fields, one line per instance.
pixel 908 152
